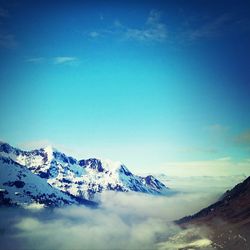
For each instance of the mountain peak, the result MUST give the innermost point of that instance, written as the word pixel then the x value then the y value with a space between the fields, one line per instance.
pixel 49 150
pixel 84 178
pixel 5 147
pixel 111 165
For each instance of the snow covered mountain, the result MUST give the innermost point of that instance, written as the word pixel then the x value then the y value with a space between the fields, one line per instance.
pixel 47 171
pixel 19 186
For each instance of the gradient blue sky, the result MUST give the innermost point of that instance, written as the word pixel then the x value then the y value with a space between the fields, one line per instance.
pixel 147 83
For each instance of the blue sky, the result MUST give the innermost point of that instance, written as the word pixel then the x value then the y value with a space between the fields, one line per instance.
pixel 148 83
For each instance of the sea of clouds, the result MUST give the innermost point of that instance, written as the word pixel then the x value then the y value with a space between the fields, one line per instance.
pixel 122 221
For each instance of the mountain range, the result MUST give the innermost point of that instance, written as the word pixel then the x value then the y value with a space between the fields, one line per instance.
pixel 50 177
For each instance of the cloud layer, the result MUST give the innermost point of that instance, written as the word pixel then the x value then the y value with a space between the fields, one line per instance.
pixel 225 166
pixel 123 221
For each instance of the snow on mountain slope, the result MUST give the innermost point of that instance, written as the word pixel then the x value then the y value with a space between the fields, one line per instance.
pixel 20 186
pixel 84 178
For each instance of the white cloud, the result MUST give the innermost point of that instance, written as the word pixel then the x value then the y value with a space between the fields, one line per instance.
pixel 123 221
pixel 64 60
pixel 224 166
pixel 94 34
pixel 157 33
pixel 154 29
pixel 164 208
pixel 212 186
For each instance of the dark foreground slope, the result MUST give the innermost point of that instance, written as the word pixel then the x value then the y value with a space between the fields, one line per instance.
pixel 228 219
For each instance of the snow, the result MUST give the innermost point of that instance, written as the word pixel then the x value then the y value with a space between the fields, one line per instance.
pixel 34 186
pixel 49 151
pixel 111 166
pixel 84 180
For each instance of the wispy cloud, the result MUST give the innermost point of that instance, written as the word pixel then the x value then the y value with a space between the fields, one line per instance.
pixel 204 28
pixel 59 60
pixel 65 60
pixel 211 28
pixel 4 13
pixel 188 31
pixel 8 41
pixel 101 17
pixel 216 128
pixel 243 138
pixel 152 30
pixel 41 143
pixel 35 60
pixel 94 34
